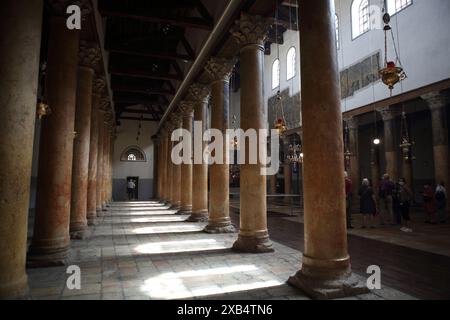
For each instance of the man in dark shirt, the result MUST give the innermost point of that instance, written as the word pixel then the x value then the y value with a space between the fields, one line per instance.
pixel 348 200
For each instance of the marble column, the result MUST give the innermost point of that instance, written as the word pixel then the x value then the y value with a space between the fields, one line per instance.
pixel 273 184
pixel 353 169
pixel 98 87
pixel 325 271
pixel 51 239
pixel 390 148
pixel 219 220
pixel 375 168
pixel 106 156
pixel 187 109
pixel 251 32
pixel 104 105
pixel 89 57
pixel 169 164
pixel 156 167
pixel 177 121
pixel 19 65
pixel 164 167
pixel 200 94
pixel 437 102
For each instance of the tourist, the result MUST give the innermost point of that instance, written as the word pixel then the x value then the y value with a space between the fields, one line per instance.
pixel 428 203
pixel 130 189
pixel 441 202
pixel 367 203
pixel 348 199
pixel 386 201
pixel 403 197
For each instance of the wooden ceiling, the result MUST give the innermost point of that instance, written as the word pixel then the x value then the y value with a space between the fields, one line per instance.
pixel 152 45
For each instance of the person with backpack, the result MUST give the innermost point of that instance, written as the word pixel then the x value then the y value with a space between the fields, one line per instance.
pixel 403 196
pixel 441 198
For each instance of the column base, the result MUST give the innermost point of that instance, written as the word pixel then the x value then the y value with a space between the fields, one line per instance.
pixel 104 208
pixel 79 234
pixel 185 210
pixel 199 216
pixel 99 212
pixel 45 257
pixel 15 290
pixel 220 229
pixel 317 283
pixel 253 244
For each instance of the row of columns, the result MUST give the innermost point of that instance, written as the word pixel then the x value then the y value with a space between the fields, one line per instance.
pixel 437 103
pixel 325 270
pixel 75 155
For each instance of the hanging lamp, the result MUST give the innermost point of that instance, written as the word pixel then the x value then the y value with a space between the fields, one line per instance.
pixel 393 72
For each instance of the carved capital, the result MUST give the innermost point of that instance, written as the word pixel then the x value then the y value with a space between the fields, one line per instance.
pixel 351 122
pixel 89 54
pixel 200 92
pixel 176 120
pixel 187 108
pixel 220 69
pixel 59 7
pixel 435 100
pixel 99 85
pixel 251 30
pixel 104 104
pixel 387 114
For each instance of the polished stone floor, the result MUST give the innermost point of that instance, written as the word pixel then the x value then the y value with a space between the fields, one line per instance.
pixel 145 251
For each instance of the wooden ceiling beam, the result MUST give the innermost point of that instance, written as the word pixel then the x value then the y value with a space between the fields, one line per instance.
pixel 135 73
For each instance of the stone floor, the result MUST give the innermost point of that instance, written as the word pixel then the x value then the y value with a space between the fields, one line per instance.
pixel 144 251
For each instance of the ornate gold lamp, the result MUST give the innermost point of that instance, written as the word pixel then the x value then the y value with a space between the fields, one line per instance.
pixel 392 73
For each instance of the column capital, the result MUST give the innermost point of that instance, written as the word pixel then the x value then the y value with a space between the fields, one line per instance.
pixel 176 120
pixel 387 113
pixel 89 54
pixel 352 122
pixel 187 108
pixel 436 100
pixel 200 92
pixel 251 30
pixel 104 104
pixel 220 69
pixel 59 7
pixel 99 85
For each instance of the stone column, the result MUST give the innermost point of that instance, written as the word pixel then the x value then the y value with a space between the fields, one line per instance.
pixel 176 121
pixel 200 94
pixel 251 32
pixel 325 270
pixel 104 105
pixel 437 103
pixel 187 109
pixel 156 167
pixel 89 56
pixel 98 87
pixel 106 157
pixel 19 65
pixel 375 167
pixel 169 166
pixel 164 163
pixel 390 149
pixel 219 205
pixel 287 178
pixel 51 240
pixel 353 169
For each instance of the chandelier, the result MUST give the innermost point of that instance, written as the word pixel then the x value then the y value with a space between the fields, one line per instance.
pixel 407 146
pixel 295 154
pixel 393 72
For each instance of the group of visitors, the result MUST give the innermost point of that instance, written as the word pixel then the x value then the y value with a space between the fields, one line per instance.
pixel 392 202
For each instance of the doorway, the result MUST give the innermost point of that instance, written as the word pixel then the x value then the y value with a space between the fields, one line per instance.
pixel 133 193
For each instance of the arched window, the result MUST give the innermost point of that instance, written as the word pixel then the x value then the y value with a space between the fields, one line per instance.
pixel 290 72
pixel 394 6
pixel 337 30
pixel 133 154
pixel 276 74
pixel 360 17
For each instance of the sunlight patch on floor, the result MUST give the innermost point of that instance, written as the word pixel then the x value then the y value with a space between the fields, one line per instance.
pixel 180 246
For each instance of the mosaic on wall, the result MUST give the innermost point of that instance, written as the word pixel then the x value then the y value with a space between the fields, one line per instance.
pixel 360 75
